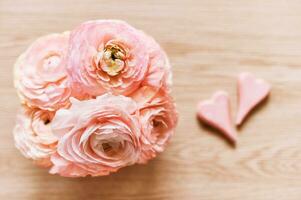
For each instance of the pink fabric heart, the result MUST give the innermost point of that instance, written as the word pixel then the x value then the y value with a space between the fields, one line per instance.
pixel 251 91
pixel 216 112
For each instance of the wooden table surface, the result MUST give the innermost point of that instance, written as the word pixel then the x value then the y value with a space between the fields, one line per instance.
pixel 209 42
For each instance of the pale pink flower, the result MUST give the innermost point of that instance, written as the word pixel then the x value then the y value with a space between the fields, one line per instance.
pixel 96 136
pixel 110 55
pixel 40 74
pixel 33 135
pixel 158 118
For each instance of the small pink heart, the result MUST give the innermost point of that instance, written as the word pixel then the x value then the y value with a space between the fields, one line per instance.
pixel 251 91
pixel 216 112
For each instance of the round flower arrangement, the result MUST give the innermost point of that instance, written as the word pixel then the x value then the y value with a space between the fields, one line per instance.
pixel 94 100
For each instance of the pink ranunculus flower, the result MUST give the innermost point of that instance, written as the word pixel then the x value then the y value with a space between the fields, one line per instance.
pixel 158 118
pixel 33 135
pixel 111 56
pixel 96 136
pixel 40 74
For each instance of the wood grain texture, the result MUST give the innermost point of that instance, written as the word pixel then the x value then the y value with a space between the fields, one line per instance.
pixel 209 42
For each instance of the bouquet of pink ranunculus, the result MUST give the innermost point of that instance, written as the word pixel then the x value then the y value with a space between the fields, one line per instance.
pixel 94 100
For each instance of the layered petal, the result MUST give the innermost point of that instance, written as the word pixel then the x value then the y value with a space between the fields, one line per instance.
pixel 40 73
pixel 33 135
pixel 158 119
pixel 159 69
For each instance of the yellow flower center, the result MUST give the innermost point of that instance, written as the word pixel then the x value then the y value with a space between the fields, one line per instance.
pixel 114 58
